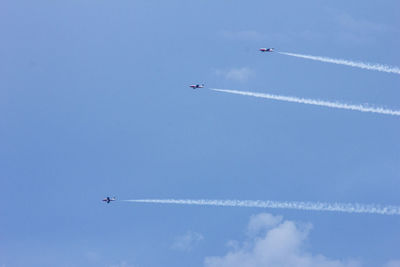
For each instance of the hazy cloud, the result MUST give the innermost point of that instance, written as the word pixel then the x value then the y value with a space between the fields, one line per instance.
pixel 360 25
pixel 358 30
pixel 92 256
pixel 393 263
pixel 187 241
pixel 236 74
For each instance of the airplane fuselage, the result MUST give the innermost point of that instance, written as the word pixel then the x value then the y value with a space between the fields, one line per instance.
pixel 266 49
pixel 108 199
pixel 195 86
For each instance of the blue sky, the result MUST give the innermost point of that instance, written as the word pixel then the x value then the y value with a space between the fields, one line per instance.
pixel 95 101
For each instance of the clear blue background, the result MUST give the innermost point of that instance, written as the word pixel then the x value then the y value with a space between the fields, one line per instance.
pixel 94 101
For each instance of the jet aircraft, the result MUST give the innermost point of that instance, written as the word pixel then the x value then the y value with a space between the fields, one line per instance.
pixel 196 86
pixel 108 199
pixel 266 49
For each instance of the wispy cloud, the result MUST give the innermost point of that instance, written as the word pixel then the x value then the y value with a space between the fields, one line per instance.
pixel 283 244
pixel 236 74
pixel 187 241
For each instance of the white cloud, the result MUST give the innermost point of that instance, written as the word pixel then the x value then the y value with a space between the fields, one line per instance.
pixel 262 221
pixel 282 245
pixel 236 74
pixel 187 241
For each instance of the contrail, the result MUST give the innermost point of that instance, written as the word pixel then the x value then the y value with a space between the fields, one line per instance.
pixel 314 102
pixel 356 64
pixel 314 206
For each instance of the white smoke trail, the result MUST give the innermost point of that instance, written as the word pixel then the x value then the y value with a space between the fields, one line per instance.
pixel 315 206
pixel 314 102
pixel 356 64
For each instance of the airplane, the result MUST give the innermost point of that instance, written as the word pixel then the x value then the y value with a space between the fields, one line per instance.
pixel 267 49
pixel 108 199
pixel 195 86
